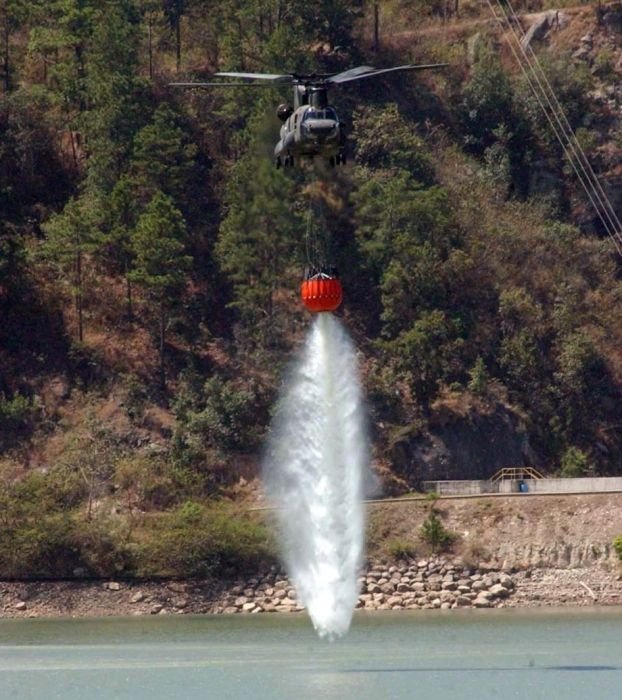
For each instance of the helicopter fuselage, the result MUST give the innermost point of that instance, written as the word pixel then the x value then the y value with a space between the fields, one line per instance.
pixel 311 127
pixel 308 132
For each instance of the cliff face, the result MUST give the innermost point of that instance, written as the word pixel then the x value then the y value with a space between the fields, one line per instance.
pixel 467 442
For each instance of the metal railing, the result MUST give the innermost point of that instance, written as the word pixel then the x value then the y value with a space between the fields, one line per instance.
pixel 516 473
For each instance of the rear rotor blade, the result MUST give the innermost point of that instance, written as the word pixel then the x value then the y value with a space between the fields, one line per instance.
pixel 367 72
pixel 352 74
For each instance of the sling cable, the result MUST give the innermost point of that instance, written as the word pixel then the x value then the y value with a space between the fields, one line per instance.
pixel 320 289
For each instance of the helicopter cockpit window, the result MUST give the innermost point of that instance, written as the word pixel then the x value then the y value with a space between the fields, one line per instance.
pixel 328 113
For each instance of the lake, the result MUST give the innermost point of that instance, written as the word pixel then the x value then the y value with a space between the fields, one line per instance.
pixel 570 653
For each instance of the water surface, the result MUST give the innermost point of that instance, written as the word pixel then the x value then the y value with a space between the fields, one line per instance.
pixel 386 656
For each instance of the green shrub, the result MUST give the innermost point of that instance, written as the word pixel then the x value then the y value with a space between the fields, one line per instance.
pixel 199 540
pixel 604 64
pixel 478 383
pixel 401 549
pixel 100 545
pixel 215 414
pixel 36 547
pixel 575 463
pixel 17 416
pixel 617 545
pixel 150 482
pixel 36 524
pixel 434 533
pixel 136 398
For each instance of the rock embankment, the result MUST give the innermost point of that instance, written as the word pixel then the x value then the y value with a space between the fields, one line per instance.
pixel 428 584
pixel 425 584
pixel 436 583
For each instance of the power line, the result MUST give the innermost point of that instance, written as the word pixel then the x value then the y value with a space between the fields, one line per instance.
pixel 556 117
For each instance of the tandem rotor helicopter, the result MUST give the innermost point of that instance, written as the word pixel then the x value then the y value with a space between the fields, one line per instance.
pixel 311 127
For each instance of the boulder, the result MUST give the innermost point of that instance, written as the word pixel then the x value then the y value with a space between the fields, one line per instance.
pixel 542 23
pixel 499 591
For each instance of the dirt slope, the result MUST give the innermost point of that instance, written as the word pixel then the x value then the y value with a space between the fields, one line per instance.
pixel 519 532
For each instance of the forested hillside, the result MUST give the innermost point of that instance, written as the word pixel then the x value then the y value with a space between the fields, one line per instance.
pixel 150 255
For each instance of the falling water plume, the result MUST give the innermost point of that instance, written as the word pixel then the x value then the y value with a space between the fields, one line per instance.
pixel 314 471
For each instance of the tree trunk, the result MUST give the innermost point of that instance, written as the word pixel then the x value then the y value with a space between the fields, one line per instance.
pixel 130 307
pixel 7 67
pixel 79 300
pixel 162 334
pixel 241 40
pixel 74 152
pixel 376 26
pixel 79 53
pixel 150 45
pixel 178 43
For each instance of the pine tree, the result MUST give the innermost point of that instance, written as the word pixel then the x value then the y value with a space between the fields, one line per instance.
pixel 163 158
pixel 12 15
pixel 160 262
pixel 70 237
pixel 60 36
pixel 119 105
pixel 257 240
pixel 122 213
pixel 174 11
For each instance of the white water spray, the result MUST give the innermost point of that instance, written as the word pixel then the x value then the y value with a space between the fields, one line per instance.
pixel 314 471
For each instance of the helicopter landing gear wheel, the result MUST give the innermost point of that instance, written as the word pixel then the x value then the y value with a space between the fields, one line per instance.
pixel 277 163
pixel 289 160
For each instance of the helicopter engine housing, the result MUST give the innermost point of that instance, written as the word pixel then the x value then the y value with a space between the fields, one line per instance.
pixel 284 112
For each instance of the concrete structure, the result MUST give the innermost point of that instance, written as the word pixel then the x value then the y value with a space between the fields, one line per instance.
pixel 582 485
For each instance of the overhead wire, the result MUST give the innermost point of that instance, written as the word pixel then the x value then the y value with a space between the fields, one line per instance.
pixel 585 162
pixel 586 177
pixel 562 130
pixel 556 117
pixel 596 194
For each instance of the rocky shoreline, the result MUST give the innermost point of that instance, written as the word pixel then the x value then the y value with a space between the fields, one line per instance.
pixel 424 584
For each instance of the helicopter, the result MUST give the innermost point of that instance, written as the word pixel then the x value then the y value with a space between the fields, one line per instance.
pixel 311 127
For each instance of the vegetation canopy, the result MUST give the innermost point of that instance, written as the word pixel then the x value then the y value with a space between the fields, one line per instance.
pixel 150 256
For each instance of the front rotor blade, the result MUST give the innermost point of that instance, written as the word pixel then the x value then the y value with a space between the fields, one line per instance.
pixel 345 78
pixel 211 85
pixel 256 76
